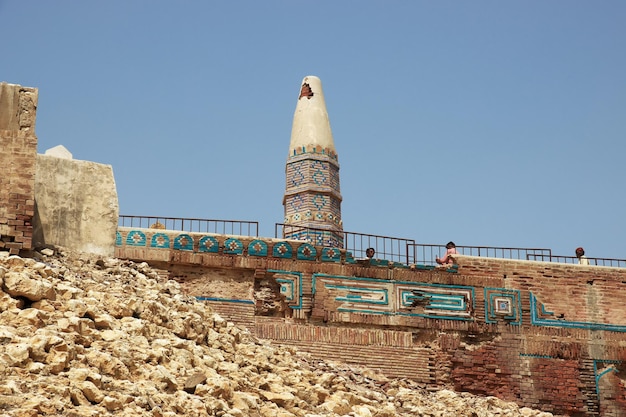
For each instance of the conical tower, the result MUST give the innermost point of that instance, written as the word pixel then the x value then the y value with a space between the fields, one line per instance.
pixel 312 195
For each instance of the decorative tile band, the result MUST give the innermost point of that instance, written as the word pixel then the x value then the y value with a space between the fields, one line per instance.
pixel 314 150
pixel 225 300
pixel 390 297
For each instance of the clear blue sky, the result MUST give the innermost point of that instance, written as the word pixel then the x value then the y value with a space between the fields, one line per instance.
pixel 491 123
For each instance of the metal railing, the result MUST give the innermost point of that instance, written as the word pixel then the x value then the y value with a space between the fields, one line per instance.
pixel 225 227
pixel 386 247
pixel 611 262
pixel 425 254
pixel 389 248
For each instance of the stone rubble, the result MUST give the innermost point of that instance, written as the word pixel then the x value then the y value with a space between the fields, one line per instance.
pixel 84 336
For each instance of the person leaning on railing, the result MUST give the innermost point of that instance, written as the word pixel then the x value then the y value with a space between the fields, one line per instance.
pixel 580 254
pixel 450 250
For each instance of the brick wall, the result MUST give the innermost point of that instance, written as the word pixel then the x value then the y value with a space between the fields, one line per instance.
pixel 545 335
pixel 17 166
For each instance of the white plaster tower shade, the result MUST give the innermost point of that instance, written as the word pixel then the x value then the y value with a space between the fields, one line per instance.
pixel 312 198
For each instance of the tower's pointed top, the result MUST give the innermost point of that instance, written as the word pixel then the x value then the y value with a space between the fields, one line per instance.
pixel 311 127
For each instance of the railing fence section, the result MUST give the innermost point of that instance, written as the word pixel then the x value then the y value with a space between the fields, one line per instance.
pixel 425 254
pixel 389 248
pixel 611 262
pixel 225 227
pixel 386 247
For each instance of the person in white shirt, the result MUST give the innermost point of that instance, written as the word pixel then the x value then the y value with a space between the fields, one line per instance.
pixel 580 254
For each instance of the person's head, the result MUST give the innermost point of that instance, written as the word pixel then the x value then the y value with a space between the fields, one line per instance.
pixel 579 252
pixel 369 252
pixel 450 245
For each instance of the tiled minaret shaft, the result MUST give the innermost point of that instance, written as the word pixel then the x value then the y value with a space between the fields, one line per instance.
pixel 312 195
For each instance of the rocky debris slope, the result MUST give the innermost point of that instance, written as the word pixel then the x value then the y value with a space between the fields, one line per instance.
pixel 85 336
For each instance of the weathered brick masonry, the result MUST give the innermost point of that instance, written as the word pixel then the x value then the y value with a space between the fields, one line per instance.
pixel 18 143
pixel 546 335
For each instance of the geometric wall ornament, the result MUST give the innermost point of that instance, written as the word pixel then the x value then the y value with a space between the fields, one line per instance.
pixel 296 202
pixel 290 286
pixel 453 302
pixel 331 255
pixel 208 244
pixel 233 246
pixel 319 201
pixel 366 297
pixel 306 252
pixel 333 238
pixel 160 240
pixel 136 238
pixel 297 177
pixel 503 305
pixel 183 242
pixel 319 176
pixel 118 238
pixel 257 248
pixel 282 250
pixel 390 297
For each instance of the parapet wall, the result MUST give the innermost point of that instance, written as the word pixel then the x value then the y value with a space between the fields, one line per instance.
pixel 546 335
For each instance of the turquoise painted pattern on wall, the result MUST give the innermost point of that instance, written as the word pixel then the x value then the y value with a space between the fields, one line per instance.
pixel 402 298
pixel 257 248
pixel 136 238
pixel 290 286
pixel 208 244
pixel 306 252
pixel 282 250
pixel 160 240
pixel 183 242
pixel 503 305
pixel 233 246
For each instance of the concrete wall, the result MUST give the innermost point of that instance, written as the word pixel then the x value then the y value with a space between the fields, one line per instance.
pixel 76 205
pixel 545 335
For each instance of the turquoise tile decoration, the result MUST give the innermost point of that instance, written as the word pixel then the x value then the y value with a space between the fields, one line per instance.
pixel 306 252
pixel 208 244
pixel 397 298
pixel 136 238
pixel 282 250
pixel 183 242
pixel 160 240
pixel 349 258
pixel 233 246
pixel 290 286
pixel 503 305
pixel 257 248
pixel 379 262
pixel 118 238
pixel 331 255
